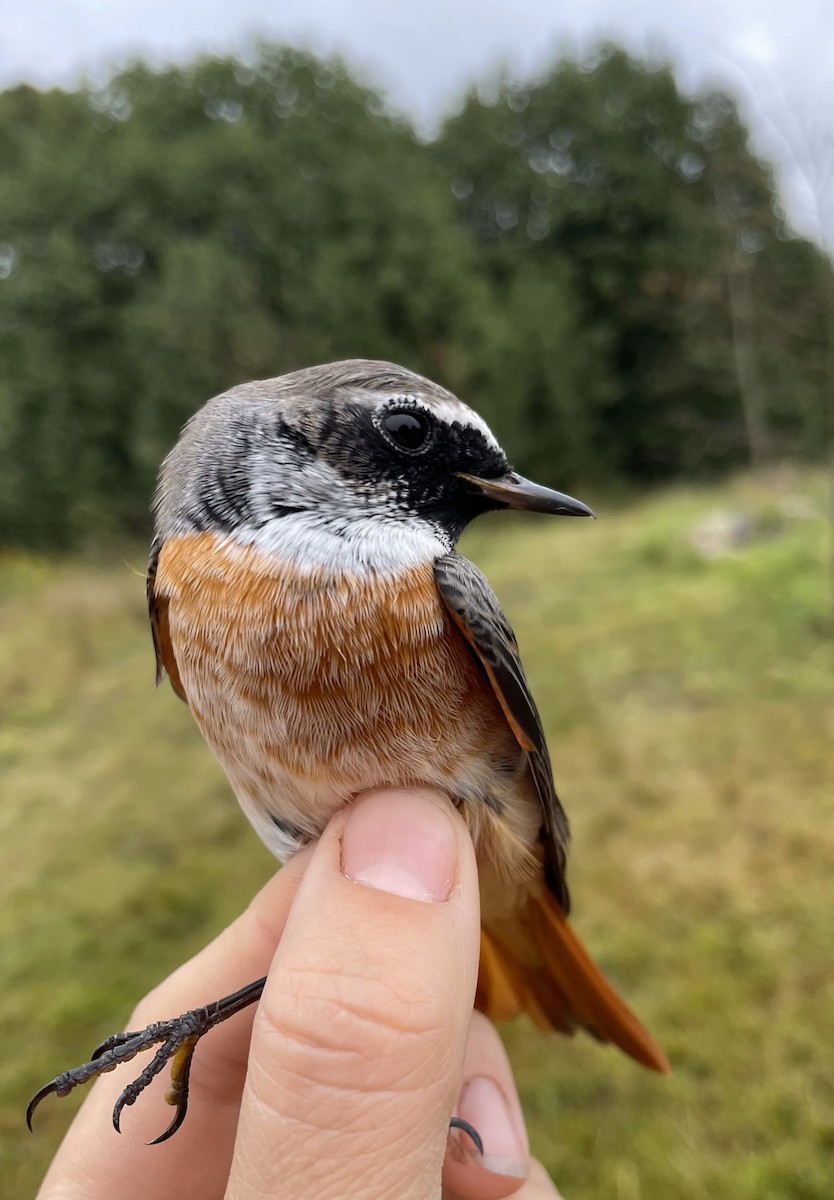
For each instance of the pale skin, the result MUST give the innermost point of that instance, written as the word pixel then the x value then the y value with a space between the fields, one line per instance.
pixel 341 1085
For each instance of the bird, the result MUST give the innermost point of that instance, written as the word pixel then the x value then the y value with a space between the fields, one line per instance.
pixel 307 602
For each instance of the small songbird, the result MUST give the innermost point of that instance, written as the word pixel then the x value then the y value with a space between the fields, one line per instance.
pixel 307 603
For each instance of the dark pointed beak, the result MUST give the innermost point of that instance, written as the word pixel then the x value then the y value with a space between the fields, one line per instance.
pixel 514 491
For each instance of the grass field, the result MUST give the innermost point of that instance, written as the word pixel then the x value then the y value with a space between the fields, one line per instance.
pixel 690 709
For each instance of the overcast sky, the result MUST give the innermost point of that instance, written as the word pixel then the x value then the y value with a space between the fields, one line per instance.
pixel 776 55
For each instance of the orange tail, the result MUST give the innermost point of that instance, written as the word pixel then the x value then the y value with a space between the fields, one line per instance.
pixel 546 972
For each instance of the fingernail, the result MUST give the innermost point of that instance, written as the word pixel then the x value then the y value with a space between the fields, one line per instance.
pixel 483 1104
pixel 401 842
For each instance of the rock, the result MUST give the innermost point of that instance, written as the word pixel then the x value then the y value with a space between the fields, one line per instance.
pixel 722 532
pixel 798 508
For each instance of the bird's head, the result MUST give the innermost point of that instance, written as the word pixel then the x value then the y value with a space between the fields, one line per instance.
pixel 366 453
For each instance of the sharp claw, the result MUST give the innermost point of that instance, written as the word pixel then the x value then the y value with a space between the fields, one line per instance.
pixel 179 1037
pixel 178 1092
pixel 128 1096
pixel 61 1085
pixel 117 1110
pixel 47 1090
pixel 470 1130
pixel 179 1117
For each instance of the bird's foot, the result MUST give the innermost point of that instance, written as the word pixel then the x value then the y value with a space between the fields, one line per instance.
pixel 176 1039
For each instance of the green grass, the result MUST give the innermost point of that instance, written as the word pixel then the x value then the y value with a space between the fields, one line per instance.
pixel 690 708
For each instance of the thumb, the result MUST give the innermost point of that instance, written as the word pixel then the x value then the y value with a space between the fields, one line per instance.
pixel 357 1048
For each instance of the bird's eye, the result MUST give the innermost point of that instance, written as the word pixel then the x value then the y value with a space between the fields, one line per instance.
pixel 407 429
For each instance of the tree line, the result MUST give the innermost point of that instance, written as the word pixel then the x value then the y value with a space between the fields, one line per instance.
pixel 592 259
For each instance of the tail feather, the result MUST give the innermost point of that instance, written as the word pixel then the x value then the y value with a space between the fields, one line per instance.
pixel 562 989
pixel 506 988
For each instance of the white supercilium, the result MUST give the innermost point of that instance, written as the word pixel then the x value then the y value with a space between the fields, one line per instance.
pixel 448 412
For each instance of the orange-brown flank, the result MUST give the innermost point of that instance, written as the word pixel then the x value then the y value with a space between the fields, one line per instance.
pixel 312 686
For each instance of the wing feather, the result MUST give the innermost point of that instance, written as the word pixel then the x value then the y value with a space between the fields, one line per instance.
pixel 477 612
pixel 166 663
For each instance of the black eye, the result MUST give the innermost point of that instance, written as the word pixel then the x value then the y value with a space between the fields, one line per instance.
pixel 408 430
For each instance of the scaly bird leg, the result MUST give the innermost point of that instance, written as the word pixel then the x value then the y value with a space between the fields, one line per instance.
pixel 178 1037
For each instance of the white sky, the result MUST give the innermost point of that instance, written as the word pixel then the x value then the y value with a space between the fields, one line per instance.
pixel 776 55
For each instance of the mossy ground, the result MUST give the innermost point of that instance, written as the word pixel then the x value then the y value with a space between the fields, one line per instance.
pixel 690 709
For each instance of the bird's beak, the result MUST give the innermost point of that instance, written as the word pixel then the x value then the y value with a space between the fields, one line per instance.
pixel 514 491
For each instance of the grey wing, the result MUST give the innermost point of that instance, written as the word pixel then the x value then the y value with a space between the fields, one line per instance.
pixel 476 611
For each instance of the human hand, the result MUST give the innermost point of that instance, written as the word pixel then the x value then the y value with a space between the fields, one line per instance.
pixel 361 1047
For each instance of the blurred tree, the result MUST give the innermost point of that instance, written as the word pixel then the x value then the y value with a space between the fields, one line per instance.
pixel 595 261
pixel 647 213
pixel 181 230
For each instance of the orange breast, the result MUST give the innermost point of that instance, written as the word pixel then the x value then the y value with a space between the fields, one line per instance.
pixel 310 686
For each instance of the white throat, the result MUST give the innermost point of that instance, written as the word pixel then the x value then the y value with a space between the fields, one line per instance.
pixel 371 544
pixel 336 527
